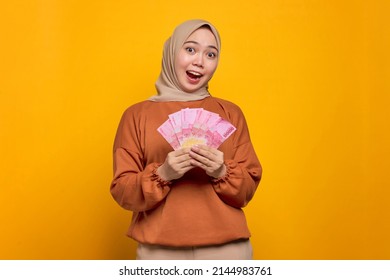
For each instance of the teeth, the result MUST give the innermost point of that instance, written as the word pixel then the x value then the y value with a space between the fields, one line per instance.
pixel 195 73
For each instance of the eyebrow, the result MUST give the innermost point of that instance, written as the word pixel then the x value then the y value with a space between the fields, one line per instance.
pixel 194 42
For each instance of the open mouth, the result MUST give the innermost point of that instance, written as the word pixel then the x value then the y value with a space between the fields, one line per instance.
pixel 195 76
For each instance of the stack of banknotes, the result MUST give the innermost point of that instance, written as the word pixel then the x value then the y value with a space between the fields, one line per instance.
pixel 193 126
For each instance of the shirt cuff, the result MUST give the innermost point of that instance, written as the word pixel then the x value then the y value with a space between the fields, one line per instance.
pixel 155 177
pixel 229 166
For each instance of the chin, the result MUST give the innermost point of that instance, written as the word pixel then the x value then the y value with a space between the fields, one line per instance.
pixel 192 89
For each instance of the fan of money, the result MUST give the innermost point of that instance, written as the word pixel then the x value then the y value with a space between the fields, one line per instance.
pixel 193 126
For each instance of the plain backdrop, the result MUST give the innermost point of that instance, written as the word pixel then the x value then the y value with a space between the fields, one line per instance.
pixel 312 78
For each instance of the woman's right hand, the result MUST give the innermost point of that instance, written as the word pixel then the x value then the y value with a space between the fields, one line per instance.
pixel 176 164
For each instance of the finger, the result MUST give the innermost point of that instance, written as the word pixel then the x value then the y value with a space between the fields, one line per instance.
pixel 185 164
pixel 206 151
pixel 187 168
pixel 196 163
pixel 184 159
pixel 198 152
pixel 179 156
pixel 200 161
pixel 183 151
pixel 207 157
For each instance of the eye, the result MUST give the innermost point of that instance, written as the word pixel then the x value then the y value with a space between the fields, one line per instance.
pixel 190 49
pixel 211 55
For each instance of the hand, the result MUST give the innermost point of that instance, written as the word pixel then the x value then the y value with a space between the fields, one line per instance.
pixel 209 159
pixel 176 164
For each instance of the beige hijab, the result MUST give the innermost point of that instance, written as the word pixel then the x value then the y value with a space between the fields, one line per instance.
pixel 167 84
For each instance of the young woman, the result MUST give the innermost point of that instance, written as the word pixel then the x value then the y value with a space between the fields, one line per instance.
pixel 186 202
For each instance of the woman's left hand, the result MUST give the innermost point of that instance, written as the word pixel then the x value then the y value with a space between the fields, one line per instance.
pixel 209 159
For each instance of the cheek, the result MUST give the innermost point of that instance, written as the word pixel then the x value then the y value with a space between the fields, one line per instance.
pixel 182 60
pixel 213 66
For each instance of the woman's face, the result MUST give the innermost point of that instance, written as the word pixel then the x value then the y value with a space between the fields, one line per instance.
pixel 197 60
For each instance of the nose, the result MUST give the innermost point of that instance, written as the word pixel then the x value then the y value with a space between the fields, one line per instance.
pixel 198 60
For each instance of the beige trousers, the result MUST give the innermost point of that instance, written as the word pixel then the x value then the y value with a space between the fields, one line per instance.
pixel 236 250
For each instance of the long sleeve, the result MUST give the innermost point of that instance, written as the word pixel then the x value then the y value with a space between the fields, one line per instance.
pixel 135 187
pixel 244 170
pixel 239 184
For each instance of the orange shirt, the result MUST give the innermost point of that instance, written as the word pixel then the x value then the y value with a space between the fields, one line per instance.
pixel 194 210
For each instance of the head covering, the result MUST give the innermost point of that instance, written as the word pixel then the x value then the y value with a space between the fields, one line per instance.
pixel 167 84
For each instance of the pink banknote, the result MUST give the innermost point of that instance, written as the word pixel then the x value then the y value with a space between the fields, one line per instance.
pixel 192 126
pixel 204 121
pixel 222 131
pixel 176 122
pixel 168 132
pixel 187 121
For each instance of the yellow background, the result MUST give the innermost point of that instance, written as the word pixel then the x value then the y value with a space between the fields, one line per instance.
pixel 312 78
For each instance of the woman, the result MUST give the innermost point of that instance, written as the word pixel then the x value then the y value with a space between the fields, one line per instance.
pixel 186 203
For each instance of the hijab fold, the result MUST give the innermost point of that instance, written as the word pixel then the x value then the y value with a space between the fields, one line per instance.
pixel 167 85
